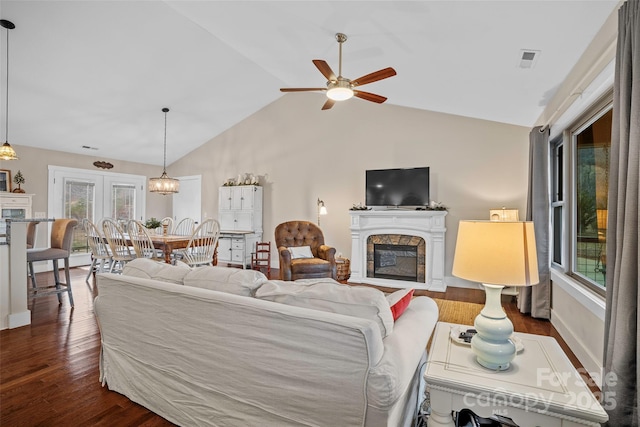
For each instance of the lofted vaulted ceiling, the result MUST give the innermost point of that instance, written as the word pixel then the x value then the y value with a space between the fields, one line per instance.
pixel 97 73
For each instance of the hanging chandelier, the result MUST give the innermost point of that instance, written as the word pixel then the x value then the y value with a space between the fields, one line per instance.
pixel 6 150
pixel 164 185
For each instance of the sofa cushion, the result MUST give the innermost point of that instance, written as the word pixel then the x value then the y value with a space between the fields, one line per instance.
pixel 225 279
pixel 399 301
pixel 329 295
pixel 157 270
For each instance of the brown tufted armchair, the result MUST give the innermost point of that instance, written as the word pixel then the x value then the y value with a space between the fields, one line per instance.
pixel 304 233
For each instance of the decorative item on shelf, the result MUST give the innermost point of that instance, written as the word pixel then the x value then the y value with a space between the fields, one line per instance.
pixel 102 165
pixel 164 184
pixel 436 206
pixel 242 179
pixel 6 151
pixel 18 179
pixel 359 207
pixel 496 254
pixel 504 214
pixel 322 210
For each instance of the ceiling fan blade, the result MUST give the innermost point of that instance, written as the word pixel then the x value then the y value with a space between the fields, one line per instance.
pixel 324 68
pixel 369 96
pixel 374 77
pixel 301 89
pixel 328 104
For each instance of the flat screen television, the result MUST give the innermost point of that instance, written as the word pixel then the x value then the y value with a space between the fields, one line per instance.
pixel 397 187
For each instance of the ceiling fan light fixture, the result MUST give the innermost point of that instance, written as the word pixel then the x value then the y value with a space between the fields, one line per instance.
pixel 339 93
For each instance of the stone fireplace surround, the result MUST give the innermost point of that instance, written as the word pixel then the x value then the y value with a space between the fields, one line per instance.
pixel 429 225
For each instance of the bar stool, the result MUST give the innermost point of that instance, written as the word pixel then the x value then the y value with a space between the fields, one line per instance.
pixel 31 234
pixel 61 240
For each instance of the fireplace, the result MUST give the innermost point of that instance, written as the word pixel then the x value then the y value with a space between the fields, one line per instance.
pixel 396 257
pixel 398 249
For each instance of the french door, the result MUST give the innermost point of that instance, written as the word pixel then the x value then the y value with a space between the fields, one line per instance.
pixel 86 194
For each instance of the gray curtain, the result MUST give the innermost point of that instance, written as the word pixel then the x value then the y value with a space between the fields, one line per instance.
pixel 537 299
pixel 620 385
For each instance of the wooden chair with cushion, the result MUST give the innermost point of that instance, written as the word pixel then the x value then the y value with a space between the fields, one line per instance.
pixel 32 229
pixel 303 254
pixel 60 248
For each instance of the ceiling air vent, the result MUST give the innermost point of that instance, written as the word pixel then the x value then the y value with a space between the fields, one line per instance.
pixel 528 58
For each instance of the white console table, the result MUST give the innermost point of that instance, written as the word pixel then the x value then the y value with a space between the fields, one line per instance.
pixel 540 388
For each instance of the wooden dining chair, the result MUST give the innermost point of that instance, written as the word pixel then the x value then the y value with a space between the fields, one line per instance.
pixel 202 245
pixel 100 255
pixel 185 227
pixel 141 241
pixel 121 252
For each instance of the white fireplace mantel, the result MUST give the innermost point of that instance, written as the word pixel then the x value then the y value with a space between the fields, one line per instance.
pixel 429 225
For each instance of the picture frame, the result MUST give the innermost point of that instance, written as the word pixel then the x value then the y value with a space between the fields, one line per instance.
pixel 5 180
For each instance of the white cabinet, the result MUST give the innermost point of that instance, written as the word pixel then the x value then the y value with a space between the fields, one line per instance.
pixel 240 217
pixel 240 208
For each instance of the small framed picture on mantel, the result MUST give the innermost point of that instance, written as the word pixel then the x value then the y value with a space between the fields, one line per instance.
pixel 5 180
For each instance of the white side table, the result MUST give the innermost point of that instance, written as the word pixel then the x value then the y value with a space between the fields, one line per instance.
pixel 540 388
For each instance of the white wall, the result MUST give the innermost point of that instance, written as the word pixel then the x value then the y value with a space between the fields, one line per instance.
pixel 302 153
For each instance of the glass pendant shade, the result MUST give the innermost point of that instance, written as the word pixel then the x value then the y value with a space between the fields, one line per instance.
pixel 7 152
pixel 164 184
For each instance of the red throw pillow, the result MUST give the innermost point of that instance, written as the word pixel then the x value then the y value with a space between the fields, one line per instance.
pixel 399 301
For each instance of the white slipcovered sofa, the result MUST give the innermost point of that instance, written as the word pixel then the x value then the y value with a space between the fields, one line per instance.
pixel 226 347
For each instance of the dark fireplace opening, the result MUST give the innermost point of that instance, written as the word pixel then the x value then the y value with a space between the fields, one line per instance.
pixel 395 262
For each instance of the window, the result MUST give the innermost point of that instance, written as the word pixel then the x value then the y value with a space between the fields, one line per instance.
pixel 579 230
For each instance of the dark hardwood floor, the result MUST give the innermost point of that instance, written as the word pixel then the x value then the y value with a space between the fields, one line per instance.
pixel 49 374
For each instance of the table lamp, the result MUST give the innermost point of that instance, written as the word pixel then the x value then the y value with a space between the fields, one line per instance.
pixel 496 254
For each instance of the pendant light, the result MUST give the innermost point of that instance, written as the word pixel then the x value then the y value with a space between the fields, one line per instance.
pixel 6 151
pixel 164 185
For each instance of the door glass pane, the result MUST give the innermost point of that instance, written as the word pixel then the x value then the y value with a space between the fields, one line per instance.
pixel 592 183
pixel 79 203
pixel 123 198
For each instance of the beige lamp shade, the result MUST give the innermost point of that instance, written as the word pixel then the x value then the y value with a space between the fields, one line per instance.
pixel 504 214
pixel 496 252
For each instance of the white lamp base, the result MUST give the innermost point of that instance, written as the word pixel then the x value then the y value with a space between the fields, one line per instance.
pixel 492 344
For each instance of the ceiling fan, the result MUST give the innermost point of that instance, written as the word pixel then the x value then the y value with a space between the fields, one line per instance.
pixel 340 88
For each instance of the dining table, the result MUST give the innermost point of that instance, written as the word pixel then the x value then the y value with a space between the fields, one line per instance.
pixel 167 243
